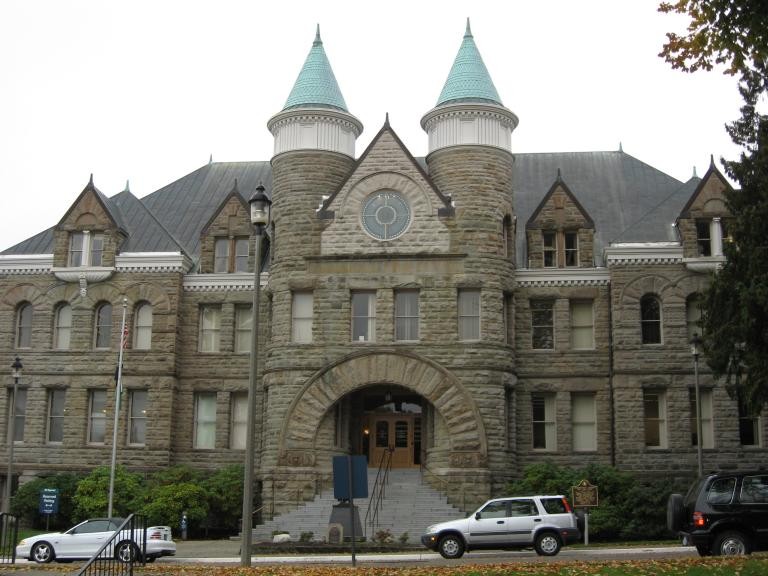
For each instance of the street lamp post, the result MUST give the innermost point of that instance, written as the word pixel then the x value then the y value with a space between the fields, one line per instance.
pixel 695 351
pixel 16 367
pixel 260 208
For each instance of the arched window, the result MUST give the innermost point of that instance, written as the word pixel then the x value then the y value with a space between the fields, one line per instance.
pixel 24 326
pixel 650 319
pixel 103 326
pixel 142 329
pixel 693 315
pixel 62 327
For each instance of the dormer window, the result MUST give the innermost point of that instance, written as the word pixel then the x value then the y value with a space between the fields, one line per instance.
pixel 560 249
pixel 703 237
pixel 549 240
pixel 85 249
pixel 571 249
pixel 231 255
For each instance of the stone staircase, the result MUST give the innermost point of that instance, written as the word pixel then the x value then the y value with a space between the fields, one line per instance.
pixel 409 505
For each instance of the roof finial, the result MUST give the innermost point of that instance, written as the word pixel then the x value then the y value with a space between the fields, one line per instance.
pixel 234 188
pixel 127 186
pixel 559 176
pixel 386 119
pixel 210 159
pixel 621 148
pixel 712 160
pixel 694 172
pixel 317 41
pixel 90 180
pixel 468 31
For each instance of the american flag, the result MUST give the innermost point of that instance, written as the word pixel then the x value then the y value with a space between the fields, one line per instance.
pixel 124 342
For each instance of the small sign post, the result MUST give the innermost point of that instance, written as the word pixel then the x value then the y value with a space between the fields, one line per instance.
pixel 49 503
pixel 585 496
pixel 350 481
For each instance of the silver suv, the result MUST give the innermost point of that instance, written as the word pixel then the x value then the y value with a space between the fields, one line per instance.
pixel 544 522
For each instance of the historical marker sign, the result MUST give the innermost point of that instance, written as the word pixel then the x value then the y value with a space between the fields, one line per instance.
pixel 584 495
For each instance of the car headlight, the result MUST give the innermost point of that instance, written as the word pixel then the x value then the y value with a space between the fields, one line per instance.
pixel 22 543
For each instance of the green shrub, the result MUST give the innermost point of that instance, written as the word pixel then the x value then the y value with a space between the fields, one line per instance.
pixel 92 495
pixel 26 501
pixel 166 503
pixel 225 498
pixel 306 536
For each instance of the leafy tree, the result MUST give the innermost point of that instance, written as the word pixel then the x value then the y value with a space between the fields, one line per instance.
pixel 26 501
pixel 734 34
pixel 92 496
pixel 225 495
pixel 165 504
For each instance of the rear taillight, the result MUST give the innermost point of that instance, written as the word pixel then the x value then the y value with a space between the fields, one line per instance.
pixel 567 506
pixel 699 520
pixel 156 535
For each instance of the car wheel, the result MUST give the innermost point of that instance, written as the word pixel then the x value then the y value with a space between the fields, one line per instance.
pixel 731 543
pixel 126 552
pixel 547 544
pixel 675 512
pixel 703 550
pixel 42 553
pixel 451 546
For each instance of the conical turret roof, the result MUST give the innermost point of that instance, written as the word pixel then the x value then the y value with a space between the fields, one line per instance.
pixel 316 84
pixel 468 80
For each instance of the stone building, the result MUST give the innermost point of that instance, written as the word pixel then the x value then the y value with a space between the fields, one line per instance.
pixel 468 313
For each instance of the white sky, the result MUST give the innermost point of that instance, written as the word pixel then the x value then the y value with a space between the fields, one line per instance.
pixel 146 90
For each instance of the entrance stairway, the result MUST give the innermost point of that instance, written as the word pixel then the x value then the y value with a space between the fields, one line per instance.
pixel 409 505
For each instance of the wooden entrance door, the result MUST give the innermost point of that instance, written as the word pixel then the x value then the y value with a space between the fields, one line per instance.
pixel 393 432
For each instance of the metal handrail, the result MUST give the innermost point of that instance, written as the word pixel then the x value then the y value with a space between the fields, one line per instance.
pixel 9 534
pixel 379 490
pixel 104 561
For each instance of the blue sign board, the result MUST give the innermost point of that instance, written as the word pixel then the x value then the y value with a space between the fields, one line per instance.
pixel 49 501
pixel 342 477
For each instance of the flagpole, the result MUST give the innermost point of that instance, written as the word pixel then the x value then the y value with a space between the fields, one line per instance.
pixel 118 393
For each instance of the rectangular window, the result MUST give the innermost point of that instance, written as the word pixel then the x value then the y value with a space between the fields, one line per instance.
pixel 241 254
pixel 571 249
pixel 76 249
pixel 543 418
pixel 584 422
pixel 137 426
pixel 406 315
pixel 56 415
pixel 469 314
pixel 582 325
pixel 302 312
pixel 363 316
pixel 703 240
pixel 19 412
pixel 549 240
pixel 542 324
pixel 221 255
pixel 205 420
pixel 706 418
pixel 239 420
pixel 230 255
pixel 97 249
pixel 85 249
pixel 97 416
pixel 210 328
pixel 655 416
pixel 749 427
pixel 243 325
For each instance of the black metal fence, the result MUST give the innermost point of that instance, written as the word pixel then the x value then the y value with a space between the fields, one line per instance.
pixel 125 549
pixel 9 534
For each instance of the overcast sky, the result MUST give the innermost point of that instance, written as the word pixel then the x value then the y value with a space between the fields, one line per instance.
pixel 146 91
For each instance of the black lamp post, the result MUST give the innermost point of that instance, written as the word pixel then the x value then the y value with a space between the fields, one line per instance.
pixel 16 367
pixel 260 209
pixel 695 351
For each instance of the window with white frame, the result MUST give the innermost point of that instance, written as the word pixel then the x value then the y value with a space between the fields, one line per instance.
pixel 243 326
pixel 543 324
pixel 571 248
pixel 655 418
pixel 302 304
pixel 406 315
pixel 142 327
pixel 238 420
pixel 102 330
pixel 97 416
pixel 650 319
pixel 693 315
pixel 62 327
pixel 549 247
pixel 469 314
pixel 137 416
pixel 56 415
pixel 19 403
pixel 750 426
pixel 364 316
pixel 24 325
pixel 582 325
pixel 205 421
pixel 543 421
pixel 707 432
pixel 210 328
pixel 85 249
pixel 584 421
pixel 231 255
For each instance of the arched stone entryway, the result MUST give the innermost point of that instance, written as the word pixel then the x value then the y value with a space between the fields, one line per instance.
pixel 356 371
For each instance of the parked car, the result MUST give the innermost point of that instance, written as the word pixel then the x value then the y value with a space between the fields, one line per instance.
pixel 724 513
pixel 83 540
pixel 545 523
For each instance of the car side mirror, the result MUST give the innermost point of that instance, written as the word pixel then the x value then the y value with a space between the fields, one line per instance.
pixel 478 516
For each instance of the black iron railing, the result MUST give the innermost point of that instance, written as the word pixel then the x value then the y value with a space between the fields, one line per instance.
pixel 125 549
pixel 376 497
pixel 9 534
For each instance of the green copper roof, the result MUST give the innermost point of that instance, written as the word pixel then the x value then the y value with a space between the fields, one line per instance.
pixel 316 84
pixel 468 80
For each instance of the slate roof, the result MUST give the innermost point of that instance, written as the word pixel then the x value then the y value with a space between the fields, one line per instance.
pixel 468 80
pixel 628 200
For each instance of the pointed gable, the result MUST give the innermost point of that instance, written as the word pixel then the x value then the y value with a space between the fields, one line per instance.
pixel 230 223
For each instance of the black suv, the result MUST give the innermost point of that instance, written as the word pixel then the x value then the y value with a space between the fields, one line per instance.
pixel 724 513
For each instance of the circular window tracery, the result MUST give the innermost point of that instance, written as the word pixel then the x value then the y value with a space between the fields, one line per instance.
pixel 386 215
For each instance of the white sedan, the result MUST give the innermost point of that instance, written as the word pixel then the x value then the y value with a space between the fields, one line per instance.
pixel 84 540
